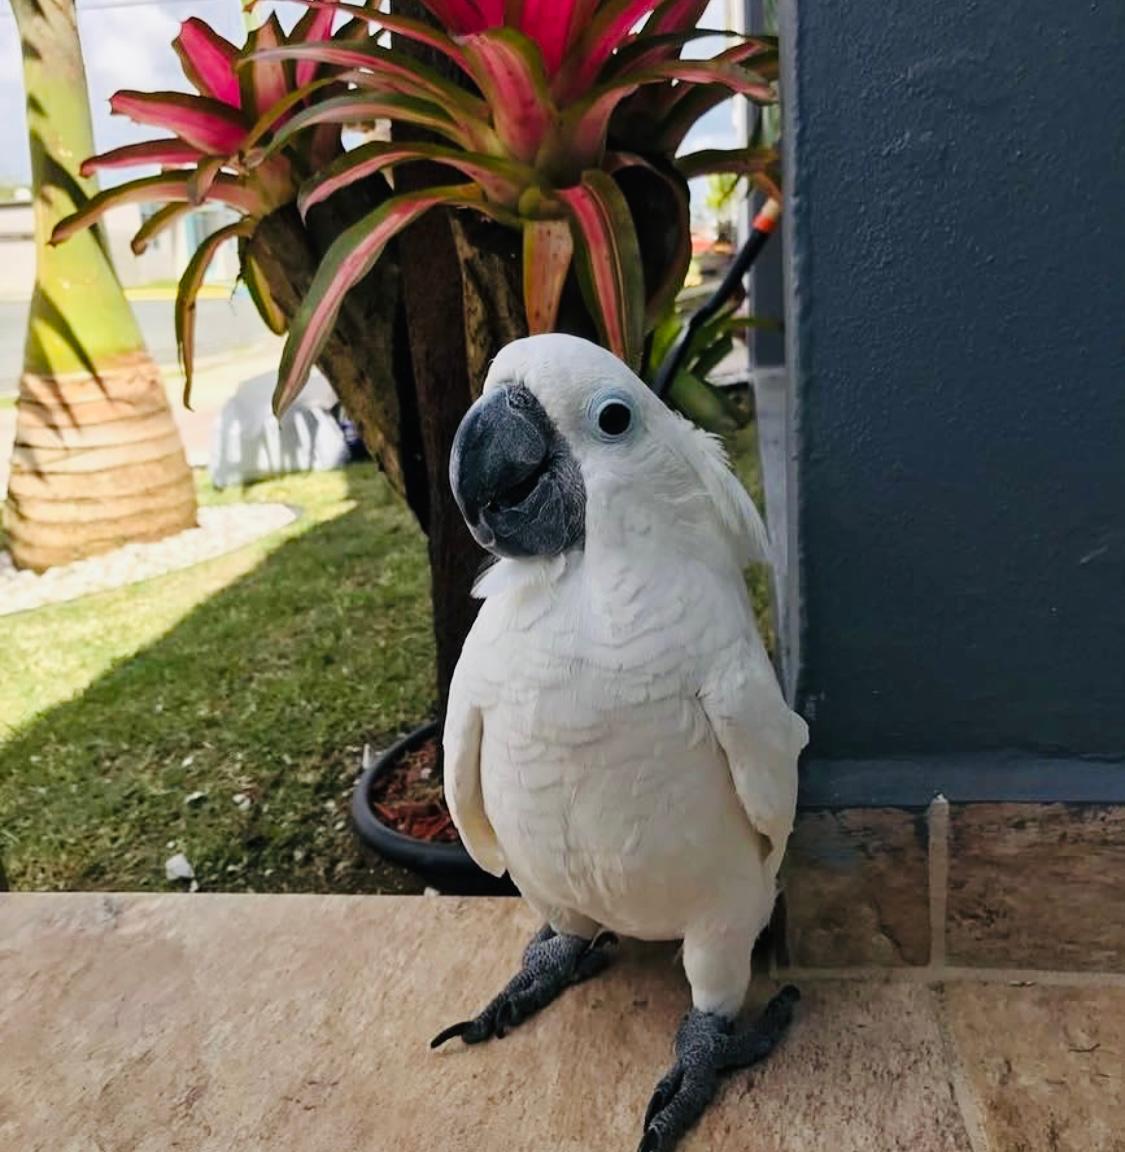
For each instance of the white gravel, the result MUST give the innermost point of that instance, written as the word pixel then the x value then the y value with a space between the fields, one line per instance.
pixel 220 530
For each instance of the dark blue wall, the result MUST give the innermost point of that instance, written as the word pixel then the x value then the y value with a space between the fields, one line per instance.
pixel 957 313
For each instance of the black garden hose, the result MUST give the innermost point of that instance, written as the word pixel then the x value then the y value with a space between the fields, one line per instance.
pixel 764 224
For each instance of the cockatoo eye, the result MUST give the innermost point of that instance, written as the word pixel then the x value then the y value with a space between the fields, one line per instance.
pixel 612 416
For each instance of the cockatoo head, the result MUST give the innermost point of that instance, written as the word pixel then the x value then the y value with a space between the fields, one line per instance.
pixel 564 432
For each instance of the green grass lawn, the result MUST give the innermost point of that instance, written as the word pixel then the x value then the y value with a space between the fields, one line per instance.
pixel 259 675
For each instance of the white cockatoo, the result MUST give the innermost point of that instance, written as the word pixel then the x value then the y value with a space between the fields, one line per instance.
pixel 615 736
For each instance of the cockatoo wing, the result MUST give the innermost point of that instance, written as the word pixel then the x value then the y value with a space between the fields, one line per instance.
pixel 461 745
pixel 761 738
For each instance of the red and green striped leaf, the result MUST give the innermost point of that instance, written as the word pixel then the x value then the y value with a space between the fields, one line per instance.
pixel 399 71
pixel 508 69
pixel 709 72
pixel 208 60
pixel 661 297
pixel 188 290
pixel 463 17
pixel 549 24
pixel 262 75
pixel 210 126
pixel 363 107
pixel 609 262
pixel 761 165
pixel 502 181
pixel 674 16
pixel 352 255
pixel 270 117
pixel 160 220
pixel 166 153
pixel 609 29
pixel 583 127
pixel 548 247
pixel 314 27
pixel 171 187
pixel 409 29
pixel 203 178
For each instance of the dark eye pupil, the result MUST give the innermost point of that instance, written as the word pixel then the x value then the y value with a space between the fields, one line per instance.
pixel 614 418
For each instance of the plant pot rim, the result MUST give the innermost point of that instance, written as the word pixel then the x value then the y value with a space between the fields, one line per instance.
pixel 421 854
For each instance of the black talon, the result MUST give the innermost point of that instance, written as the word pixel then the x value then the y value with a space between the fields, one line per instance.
pixel 551 963
pixel 448 1033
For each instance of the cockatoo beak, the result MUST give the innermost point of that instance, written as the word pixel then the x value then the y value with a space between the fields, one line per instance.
pixel 515 479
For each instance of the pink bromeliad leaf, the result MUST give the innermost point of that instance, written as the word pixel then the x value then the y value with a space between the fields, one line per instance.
pixel 403 26
pixel 208 125
pixel 549 24
pixel 509 72
pixel 166 153
pixel 208 61
pixel 263 80
pixel 675 16
pixel 351 257
pixel 610 269
pixel 314 27
pixel 463 17
pixel 502 181
pixel 548 246
pixel 167 187
pixel 608 31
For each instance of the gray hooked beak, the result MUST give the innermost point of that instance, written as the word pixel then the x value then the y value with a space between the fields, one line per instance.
pixel 514 477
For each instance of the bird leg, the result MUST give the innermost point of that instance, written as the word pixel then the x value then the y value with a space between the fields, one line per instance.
pixel 706 1046
pixel 551 963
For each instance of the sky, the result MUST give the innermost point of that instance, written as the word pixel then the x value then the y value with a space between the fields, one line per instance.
pixel 127 44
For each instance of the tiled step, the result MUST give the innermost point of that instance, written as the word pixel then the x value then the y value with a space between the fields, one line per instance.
pixel 301 1023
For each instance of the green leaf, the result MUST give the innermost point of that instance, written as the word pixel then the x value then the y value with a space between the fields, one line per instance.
pixel 188 290
pixel 162 218
pixel 701 404
pixel 254 277
pixel 610 271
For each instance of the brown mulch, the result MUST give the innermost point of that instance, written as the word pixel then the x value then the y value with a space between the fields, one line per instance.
pixel 409 799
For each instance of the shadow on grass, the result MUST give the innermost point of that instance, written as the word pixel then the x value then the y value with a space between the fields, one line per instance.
pixel 234 736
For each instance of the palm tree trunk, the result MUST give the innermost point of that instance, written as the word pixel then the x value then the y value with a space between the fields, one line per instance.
pixel 98 460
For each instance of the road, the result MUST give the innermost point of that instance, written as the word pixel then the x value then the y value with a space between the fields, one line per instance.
pixel 222 325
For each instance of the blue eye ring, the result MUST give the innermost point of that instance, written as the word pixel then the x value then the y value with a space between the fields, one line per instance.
pixel 612 416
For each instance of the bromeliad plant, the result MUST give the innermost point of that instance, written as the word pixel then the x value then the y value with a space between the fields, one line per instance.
pixel 556 123
pixel 556 100
pixel 214 151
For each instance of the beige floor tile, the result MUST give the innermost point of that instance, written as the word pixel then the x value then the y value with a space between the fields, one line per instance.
pixel 222 1023
pixel 1047 1064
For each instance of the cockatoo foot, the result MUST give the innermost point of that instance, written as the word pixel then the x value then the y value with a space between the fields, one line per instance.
pixel 551 963
pixel 706 1046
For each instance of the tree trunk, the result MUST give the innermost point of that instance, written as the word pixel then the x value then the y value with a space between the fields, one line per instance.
pixel 98 460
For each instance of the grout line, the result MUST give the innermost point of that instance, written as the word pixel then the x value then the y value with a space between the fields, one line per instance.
pixel 926 975
pixel 964 1094
pixel 938 867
